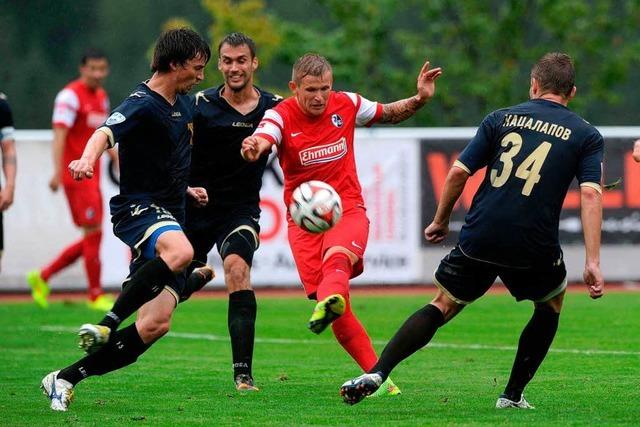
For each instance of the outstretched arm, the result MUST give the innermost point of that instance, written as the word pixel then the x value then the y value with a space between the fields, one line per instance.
pixel 401 110
pixel 253 147
pixel 591 215
pixel 453 186
pixel 83 167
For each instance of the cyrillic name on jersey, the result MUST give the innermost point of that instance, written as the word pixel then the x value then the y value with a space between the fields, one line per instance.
pixel 524 122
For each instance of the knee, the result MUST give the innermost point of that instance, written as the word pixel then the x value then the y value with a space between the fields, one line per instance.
pixel 178 257
pixel 446 305
pixel 236 274
pixel 553 305
pixel 152 329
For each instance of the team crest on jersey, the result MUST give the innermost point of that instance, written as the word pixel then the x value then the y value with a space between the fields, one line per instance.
pixel 336 120
pixel 115 118
pixel 324 153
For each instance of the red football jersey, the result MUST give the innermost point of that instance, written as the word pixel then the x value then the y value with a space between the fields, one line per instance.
pixel 81 110
pixel 320 148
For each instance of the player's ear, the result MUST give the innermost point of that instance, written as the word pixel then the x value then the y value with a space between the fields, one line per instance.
pixel 220 64
pixel 293 87
pixel 254 63
pixel 572 94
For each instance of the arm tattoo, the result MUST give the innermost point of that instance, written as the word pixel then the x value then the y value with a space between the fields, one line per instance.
pixel 401 110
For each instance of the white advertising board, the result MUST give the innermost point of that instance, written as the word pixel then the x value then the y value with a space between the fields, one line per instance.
pixel 38 226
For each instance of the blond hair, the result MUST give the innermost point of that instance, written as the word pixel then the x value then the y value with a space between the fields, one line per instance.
pixel 310 64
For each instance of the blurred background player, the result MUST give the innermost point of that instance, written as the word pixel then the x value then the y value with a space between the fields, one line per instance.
pixel 78 110
pixel 532 152
pixel 223 117
pixel 153 128
pixel 317 120
pixel 8 146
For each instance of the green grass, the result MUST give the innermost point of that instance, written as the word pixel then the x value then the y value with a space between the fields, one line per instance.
pixel 187 381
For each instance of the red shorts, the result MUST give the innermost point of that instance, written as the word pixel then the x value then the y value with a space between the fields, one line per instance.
pixel 352 233
pixel 85 203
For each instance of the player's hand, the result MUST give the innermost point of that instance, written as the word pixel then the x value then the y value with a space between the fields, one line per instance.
pixel 594 281
pixel 6 198
pixel 427 81
pixel 199 195
pixel 435 233
pixel 54 182
pixel 636 150
pixel 250 150
pixel 80 169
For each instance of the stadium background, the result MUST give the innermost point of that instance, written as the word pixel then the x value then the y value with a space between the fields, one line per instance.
pixel 486 49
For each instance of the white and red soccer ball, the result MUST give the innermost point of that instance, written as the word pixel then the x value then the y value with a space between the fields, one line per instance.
pixel 315 206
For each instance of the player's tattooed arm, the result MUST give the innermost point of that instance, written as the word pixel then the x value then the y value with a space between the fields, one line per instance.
pixel 401 110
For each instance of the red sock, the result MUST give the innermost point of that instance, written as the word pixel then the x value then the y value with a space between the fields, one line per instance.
pixel 354 339
pixel 349 332
pixel 64 259
pixel 336 271
pixel 91 255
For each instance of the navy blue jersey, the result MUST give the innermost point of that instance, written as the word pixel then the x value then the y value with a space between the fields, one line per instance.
pixel 219 130
pixel 154 147
pixel 532 151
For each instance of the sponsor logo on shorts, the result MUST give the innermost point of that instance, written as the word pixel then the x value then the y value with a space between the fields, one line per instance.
pixel 324 153
pixel 137 210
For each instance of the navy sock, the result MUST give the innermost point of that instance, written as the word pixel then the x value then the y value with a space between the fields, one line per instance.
pixel 535 340
pixel 414 334
pixel 241 321
pixel 144 285
pixel 123 349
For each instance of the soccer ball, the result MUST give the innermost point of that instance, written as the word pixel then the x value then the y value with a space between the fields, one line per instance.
pixel 315 206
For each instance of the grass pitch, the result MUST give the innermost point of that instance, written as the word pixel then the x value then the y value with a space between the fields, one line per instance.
pixel 591 375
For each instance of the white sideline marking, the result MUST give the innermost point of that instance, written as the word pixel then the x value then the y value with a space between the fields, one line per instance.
pixel 210 337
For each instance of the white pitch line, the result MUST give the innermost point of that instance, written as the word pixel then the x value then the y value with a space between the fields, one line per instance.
pixel 210 337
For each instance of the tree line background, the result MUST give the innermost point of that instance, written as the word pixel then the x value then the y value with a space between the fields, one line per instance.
pixel 376 47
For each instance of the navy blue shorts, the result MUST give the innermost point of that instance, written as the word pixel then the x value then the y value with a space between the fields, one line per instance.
pixel 464 279
pixel 206 227
pixel 139 227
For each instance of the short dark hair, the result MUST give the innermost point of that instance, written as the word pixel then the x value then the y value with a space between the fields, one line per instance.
pixel 238 39
pixel 92 53
pixel 178 46
pixel 310 64
pixel 555 73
